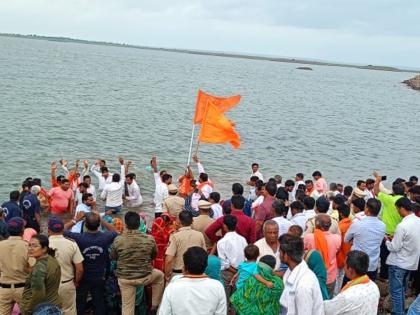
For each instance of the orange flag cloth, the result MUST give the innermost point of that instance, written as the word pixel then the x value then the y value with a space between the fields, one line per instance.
pixel 217 128
pixel 223 104
pixel 322 246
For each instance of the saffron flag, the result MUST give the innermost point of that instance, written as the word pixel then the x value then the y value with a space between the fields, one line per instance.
pixel 223 104
pixel 216 128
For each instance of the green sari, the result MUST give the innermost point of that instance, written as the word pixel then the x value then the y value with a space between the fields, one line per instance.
pixel 254 298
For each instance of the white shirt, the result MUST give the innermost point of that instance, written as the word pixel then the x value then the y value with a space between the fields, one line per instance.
pixel 258 174
pixel 266 249
pixel 283 224
pixel 217 210
pixel 92 190
pixel 206 190
pixel 293 194
pixel 188 296
pixel 257 202
pixel 369 194
pixel 300 219
pixel 134 198
pixel 360 299
pixel 359 216
pixel 231 250
pixel 78 196
pixel 113 192
pixel 301 294
pixel 309 215
pixel 102 180
pixel 81 207
pixel 161 192
pixel 405 246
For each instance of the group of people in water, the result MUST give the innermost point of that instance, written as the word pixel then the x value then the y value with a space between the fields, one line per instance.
pixel 301 246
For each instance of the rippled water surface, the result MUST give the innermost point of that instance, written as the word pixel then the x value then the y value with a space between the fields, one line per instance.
pixel 86 101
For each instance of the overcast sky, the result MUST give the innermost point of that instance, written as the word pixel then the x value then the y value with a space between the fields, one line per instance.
pixel 385 32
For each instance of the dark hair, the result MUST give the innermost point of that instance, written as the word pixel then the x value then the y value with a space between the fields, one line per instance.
pixel 271 188
pixel 309 203
pixel 374 206
pixel 398 189
pixel 237 189
pixel 37 181
pixel 322 204
pixel 82 184
pixel 297 205
pixel 292 246
pixel 44 242
pixel 86 177
pixel 289 183
pixel 116 177
pixel 309 181
pixel 413 179
pixel 316 173
pixel 295 230
pixel 333 186
pixel 185 217
pixel 65 180
pixel 299 175
pixel 359 203
pixel 251 252
pixel 405 203
pixel 103 161
pixel 132 220
pixel 344 210
pixel 92 221
pixel 14 195
pixel 131 176
pixel 279 207
pixel 399 180
pixel 269 260
pixel 358 261
pixel 204 177
pixel 369 181
pixel 195 260
pixel 339 199
pixel 282 194
pixel 238 202
pixel 348 191
pixel 302 187
pixel 230 221
pixel 255 164
pixel 360 182
pixel 254 178
pixel 300 195
pixel 259 184
pixel 104 169
pixel 86 196
pixel 215 196
pixel 166 177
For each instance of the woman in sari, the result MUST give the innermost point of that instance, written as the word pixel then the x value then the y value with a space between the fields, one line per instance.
pixel 161 230
pixel 254 297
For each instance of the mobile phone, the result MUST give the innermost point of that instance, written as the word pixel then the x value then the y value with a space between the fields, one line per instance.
pixel 383 178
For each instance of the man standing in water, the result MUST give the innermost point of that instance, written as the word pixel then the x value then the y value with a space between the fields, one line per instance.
pixel 61 198
pixel 162 180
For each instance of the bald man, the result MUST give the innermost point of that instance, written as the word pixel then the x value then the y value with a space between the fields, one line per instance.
pixel 327 244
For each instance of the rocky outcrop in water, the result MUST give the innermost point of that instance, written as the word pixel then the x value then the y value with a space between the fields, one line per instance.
pixel 414 83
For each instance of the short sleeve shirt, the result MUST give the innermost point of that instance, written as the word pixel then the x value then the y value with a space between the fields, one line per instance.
pixel 246 270
pixel 390 215
pixel 60 199
pixel 67 254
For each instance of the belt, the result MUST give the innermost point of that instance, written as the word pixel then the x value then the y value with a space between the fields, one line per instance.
pixel 10 285
pixel 177 270
pixel 62 282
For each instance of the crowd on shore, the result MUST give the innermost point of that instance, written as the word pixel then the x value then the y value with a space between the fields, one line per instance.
pixel 300 247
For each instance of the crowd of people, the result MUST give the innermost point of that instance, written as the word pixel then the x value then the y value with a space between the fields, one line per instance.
pixel 300 247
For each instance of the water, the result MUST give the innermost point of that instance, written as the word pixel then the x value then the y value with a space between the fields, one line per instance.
pixel 85 101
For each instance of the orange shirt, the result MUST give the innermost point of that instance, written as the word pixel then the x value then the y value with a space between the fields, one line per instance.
pixel 344 225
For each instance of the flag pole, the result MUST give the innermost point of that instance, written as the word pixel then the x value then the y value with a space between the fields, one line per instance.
pixel 196 149
pixel 191 144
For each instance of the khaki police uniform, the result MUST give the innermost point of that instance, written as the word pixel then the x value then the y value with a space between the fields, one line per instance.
pixel 179 242
pixel 13 272
pixel 67 254
pixel 200 224
pixel 173 205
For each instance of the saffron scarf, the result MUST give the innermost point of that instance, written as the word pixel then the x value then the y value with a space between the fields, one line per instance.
pixel 361 280
pixel 322 246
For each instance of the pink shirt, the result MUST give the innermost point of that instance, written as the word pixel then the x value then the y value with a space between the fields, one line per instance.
pixel 334 244
pixel 59 199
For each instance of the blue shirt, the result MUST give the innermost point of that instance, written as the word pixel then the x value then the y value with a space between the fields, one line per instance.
pixel 247 207
pixel 11 209
pixel 94 248
pixel 246 270
pixel 30 205
pixel 367 235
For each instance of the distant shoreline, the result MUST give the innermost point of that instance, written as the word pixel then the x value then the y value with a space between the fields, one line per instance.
pixel 209 53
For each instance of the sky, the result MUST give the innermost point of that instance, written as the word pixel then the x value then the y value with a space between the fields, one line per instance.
pixel 378 32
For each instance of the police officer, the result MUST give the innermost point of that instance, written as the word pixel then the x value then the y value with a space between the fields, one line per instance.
pixel 173 204
pixel 71 262
pixel 179 242
pixel 13 265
